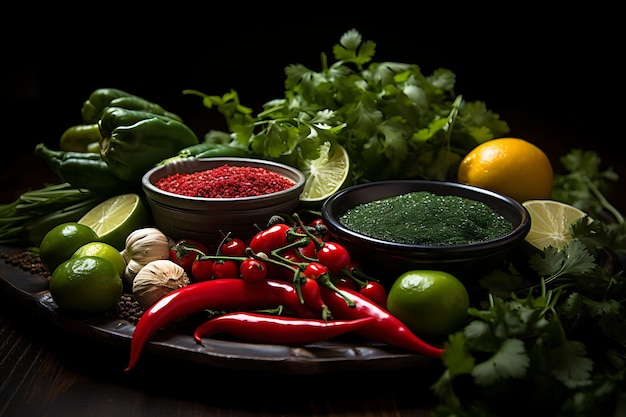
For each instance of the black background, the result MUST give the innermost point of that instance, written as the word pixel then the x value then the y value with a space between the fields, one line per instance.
pixel 562 68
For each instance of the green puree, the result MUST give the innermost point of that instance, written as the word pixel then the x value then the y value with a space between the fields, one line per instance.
pixel 423 218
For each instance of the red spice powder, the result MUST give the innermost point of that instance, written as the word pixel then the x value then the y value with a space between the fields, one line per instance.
pixel 225 182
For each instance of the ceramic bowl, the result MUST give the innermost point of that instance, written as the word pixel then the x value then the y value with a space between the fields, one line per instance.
pixel 207 219
pixel 387 260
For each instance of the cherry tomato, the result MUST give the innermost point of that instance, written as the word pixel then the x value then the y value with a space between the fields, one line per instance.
pixel 225 268
pixel 345 282
pixel 252 269
pixel 271 238
pixel 233 247
pixel 314 270
pixel 202 269
pixel 183 254
pixel 310 250
pixel 320 228
pixel 375 292
pixel 334 256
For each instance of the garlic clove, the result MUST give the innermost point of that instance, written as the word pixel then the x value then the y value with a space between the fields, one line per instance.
pixel 157 279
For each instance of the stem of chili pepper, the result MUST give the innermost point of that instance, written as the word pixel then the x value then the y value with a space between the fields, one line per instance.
pixel 313 298
pixel 265 328
pixel 305 229
pixel 386 328
pixel 219 294
pixel 325 281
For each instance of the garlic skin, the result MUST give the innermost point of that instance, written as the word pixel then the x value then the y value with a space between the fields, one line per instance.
pixel 157 279
pixel 142 247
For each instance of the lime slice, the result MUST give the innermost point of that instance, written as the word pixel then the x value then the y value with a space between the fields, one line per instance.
pixel 115 218
pixel 550 223
pixel 326 174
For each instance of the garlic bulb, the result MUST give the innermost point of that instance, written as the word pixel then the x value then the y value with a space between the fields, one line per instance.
pixel 157 279
pixel 142 247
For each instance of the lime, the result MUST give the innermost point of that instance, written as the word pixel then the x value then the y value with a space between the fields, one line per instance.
pixel 87 284
pixel 103 250
pixel 550 223
pixel 326 174
pixel 431 303
pixel 115 218
pixel 60 243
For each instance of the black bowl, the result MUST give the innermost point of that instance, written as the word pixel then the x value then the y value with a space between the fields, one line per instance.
pixel 387 260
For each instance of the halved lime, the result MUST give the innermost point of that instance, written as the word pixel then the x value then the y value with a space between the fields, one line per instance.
pixel 326 174
pixel 550 223
pixel 115 218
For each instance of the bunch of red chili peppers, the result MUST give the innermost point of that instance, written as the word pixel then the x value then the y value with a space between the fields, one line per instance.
pixel 289 284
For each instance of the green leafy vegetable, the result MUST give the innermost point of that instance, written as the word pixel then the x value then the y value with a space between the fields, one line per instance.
pixel 550 342
pixel 394 121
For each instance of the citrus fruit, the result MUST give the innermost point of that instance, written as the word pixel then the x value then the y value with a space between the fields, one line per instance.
pixel 114 218
pixel 60 243
pixel 324 175
pixel 510 166
pixel 103 250
pixel 86 283
pixel 431 303
pixel 550 223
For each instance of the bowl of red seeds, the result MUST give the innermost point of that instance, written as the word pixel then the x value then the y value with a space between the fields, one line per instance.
pixel 206 198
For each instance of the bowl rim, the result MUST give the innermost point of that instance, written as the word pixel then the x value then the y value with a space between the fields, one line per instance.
pixel 240 161
pixel 517 234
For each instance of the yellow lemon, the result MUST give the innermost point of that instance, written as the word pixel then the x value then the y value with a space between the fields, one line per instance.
pixel 510 166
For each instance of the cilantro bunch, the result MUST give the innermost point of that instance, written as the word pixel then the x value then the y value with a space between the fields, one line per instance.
pixel 394 121
pixel 551 337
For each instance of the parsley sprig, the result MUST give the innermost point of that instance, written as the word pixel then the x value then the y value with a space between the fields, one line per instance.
pixel 551 337
pixel 394 121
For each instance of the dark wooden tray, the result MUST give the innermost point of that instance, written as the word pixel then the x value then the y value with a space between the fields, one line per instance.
pixel 338 355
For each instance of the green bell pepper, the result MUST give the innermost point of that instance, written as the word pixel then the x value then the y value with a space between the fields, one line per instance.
pixel 102 98
pixel 81 138
pixel 84 170
pixel 134 141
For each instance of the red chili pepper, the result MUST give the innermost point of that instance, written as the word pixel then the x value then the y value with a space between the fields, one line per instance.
pixel 185 251
pixel 218 294
pixel 202 268
pixel 273 237
pixel 312 296
pixel 334 256
pixel 386 328
pixel 252 269
pixel 375 292
pixel 314 270
pixel 233 246
pixel 310 250
pixel 263 328
pixel 225 268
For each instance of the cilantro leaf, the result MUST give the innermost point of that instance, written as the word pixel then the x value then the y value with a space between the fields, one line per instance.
pixel 510 361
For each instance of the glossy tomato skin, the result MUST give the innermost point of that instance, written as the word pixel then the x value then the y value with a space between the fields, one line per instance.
pixel 202 269
pixel 375 292
pixel 233 247
pixel 273 237
pixel 334 256
pixel 252 269
pixel 183 253
pixel 225 269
